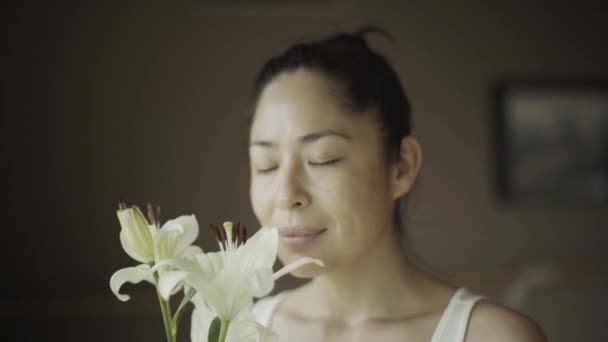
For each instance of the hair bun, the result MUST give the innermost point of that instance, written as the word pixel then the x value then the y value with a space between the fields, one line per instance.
pixel 358 37
pixel 348 39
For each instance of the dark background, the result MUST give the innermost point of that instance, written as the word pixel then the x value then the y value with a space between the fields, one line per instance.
pixel 144 100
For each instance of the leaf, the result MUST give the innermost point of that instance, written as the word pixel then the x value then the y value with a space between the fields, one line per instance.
pixel 214 330
pixel 180 309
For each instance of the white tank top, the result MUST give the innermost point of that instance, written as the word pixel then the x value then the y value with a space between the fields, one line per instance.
pixel 452 326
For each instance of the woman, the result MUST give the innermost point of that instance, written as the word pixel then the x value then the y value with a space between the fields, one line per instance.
pixel 332 156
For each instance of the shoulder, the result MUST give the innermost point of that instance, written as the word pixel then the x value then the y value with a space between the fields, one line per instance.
pixel 494 323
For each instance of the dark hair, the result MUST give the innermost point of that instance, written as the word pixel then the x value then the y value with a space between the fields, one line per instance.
pixel 367 83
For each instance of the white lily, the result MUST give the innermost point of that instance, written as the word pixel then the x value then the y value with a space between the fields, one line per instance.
pixel 230 279
pixel 150 243
pixel 243 327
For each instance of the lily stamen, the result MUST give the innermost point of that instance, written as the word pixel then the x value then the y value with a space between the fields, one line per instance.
pixel 230 236
pixel 241 234
pixel 124 205
pixel 154 215
pixel 218 234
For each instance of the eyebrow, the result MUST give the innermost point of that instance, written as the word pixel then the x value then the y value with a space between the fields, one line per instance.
pixel 306 139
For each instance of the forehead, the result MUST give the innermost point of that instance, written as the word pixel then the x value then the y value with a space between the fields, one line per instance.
pixel 298 102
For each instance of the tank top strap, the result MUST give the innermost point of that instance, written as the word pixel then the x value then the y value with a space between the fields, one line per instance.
pixel 453 324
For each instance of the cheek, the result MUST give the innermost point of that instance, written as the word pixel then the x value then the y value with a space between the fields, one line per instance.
pixel 361 206
pixel 357 192
pixel 259 201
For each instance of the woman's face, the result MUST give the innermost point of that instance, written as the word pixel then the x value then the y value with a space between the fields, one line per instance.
pixel 317 173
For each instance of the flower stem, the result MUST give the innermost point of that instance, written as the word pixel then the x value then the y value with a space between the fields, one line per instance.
pixel 223 330
pixel 165 308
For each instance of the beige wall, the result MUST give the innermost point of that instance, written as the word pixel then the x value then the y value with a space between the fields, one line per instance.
pixel 145 101
pixel 448 56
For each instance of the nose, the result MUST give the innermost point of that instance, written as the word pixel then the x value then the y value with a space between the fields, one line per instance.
pixel 291 192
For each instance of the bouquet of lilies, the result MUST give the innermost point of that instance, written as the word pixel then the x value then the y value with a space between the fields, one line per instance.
pixel 221 285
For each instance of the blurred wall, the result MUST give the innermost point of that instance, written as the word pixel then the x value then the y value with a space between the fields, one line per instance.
pixel 449 54
pixel 144 101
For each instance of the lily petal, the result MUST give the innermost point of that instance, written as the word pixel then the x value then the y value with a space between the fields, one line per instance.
pixel 164 242
pixel 127 244
pixel 249 331
pixel 265 334
pixel 181 264
pixel 190 251
pixel 169 281
pixel 192 275
pixel 225 301
pixel 201 319
pixel 132 275
pixel 260 282
pixel 292 266
pixel 197 299
pixel 135 235
pixel 175 237
pixel 189 227
pixel 211 264
pixel 242 331
pixel 260 251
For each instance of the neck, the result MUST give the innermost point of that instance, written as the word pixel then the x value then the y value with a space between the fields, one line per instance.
pixel 383 284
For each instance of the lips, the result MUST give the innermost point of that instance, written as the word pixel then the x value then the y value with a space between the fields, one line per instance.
pixel 298 237
pixel 294 231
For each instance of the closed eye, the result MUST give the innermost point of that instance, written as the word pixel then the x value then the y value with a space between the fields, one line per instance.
pixel 266 170
pixel 311 163
pixel 325 163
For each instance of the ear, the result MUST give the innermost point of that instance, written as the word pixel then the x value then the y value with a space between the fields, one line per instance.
pixel 405 169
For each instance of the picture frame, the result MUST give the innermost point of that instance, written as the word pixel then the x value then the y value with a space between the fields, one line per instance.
pixel 552 141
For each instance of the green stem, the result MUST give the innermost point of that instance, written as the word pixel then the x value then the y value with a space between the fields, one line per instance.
pixel 165 308
pixel 223 330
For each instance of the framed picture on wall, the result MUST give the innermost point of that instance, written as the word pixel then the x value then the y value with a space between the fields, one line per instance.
pixel 552 141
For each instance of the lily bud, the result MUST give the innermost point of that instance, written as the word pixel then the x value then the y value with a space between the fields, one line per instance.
pixel 135 235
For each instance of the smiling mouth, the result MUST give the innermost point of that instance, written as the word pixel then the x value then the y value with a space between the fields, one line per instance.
pixel 299 237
